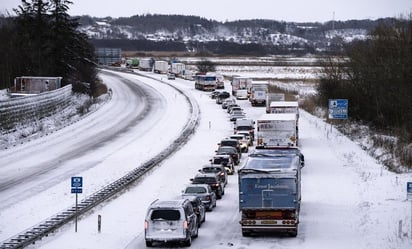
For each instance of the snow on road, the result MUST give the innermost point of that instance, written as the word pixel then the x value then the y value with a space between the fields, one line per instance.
pixel 348 199
pixel 100 158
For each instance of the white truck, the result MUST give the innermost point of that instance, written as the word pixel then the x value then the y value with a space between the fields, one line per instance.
pixel 285 107
pixel 241 83
pixel 277 130
pixel 258 93
pixel 161 67
pixel 273 97
pixel 178 69
pixel 205 82
pixel 145 64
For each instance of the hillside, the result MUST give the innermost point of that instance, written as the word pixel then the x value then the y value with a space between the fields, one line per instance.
pixel 196 34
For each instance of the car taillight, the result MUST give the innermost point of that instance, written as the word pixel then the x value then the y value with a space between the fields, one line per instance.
pixel 146 224
pixel 208 198
pixel 222 174
pixel 185 225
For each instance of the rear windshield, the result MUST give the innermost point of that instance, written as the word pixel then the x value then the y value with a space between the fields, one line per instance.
pixel 212 169
pixel 220 160
pixel 228 143
pixel 165 214
pixel 195 190
pixel 205 180
pixel 243 128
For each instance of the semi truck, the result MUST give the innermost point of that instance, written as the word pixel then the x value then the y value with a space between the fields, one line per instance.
pixel 161 67
pixel 258 93
pixel 241 83
pixel 277 129
pixel 205 82
pixel 178 69
pixel 284 107
pixel 273 97
pixel 270 193
pixel 145 64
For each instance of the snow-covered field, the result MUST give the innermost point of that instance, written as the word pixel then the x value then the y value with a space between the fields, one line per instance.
pixel 348 199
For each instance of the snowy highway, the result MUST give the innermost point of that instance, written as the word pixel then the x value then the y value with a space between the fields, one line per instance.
pixel 348 200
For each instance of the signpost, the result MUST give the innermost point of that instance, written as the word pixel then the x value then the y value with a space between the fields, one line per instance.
pixel 77 188
pixel 338 109
pixel 409 197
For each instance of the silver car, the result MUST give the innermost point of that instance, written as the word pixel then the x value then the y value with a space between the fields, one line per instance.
pixel 204 192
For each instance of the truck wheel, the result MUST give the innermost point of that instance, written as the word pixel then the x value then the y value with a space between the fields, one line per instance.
pixel 149 243
pixel 293 233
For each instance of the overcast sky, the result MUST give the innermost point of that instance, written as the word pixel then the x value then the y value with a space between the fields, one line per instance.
pixel 229 10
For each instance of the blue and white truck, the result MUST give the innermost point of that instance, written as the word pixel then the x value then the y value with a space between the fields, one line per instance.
pixel 270 193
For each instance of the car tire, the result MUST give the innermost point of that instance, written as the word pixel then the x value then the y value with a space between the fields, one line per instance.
pixel 149 243
pixel 197 232
pixel 188 242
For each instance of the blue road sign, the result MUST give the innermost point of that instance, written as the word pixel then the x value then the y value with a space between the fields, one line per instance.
pixel 338 109
pixel 77 182
pixel 409 190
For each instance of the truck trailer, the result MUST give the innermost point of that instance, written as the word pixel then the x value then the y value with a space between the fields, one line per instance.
pixel 270 97
pixel 241 83
pixel 161 67
pixel 258 93
pixel 145 64
pixel 205 82
pixel 178 69
pixel 270 194
pixel 277 129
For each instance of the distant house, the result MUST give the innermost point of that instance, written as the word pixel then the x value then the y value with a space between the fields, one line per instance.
pixel 108 56
pixel 35 84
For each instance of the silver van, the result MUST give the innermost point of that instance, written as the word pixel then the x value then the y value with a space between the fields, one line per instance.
pixel 170 221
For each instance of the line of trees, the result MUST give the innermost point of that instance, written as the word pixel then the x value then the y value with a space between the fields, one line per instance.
pixel 42 40
pixel 375 75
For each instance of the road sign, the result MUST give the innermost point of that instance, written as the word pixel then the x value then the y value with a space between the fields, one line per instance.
pixel 77 182
pixel 338 109
pixel 409 190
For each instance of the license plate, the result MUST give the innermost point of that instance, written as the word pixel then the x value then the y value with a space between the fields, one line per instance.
pixel 268 222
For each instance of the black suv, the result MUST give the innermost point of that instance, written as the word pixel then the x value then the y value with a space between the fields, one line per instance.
pixel 212 179
pixel 229 150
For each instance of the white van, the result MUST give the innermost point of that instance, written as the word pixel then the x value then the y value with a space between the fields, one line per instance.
pixel 170 221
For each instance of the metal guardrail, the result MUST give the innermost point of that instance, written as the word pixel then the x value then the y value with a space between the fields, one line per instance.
pixel 31 235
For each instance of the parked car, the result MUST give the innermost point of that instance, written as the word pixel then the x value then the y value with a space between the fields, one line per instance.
pixel 171 76
pixel 170 221
pixel 230 106
pixel 204 192
pixel 247 137
pixel 235 108
pixel 226 102
pixel 244 143
pixel 214 94
pixel 229 150
pixel 222 96
pixel 199 208
pixel 226 161
pixel 230 142
pixel 212 180
pixel 235 115
pixel 218 169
